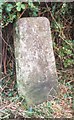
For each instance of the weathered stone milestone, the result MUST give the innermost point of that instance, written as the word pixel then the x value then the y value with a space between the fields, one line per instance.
pixel 35 63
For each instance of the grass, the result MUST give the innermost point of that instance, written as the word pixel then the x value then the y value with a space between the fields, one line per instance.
pixel 60 106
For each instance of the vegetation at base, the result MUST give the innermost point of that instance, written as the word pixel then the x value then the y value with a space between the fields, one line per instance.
pixel 61 20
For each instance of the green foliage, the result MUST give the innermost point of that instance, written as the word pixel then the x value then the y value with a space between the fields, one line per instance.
pixel 66 53
pixel 9 8
pixel 9 14
pixel 1 10
pixel 34 9
pixel 20 6
pixel 63 44
pixel 12 11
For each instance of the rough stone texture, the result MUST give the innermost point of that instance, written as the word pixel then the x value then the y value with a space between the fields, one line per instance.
pixel 35 63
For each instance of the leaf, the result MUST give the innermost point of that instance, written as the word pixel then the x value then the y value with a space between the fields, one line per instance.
pixel 18 4
pixel 22 6
pixel 9 7
pixel 31 4
pixel 18 9
pixel 69 52
pixel 14 16
pixel 1 4
pixel 0 10
pixel 35 14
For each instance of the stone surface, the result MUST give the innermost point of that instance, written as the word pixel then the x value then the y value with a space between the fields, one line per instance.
pixel 35 63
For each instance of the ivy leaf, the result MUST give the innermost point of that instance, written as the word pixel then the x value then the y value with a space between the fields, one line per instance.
pixel 9 7
pixel 22 6
pixel 18 4
pixel 31 4
pixel 18 8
